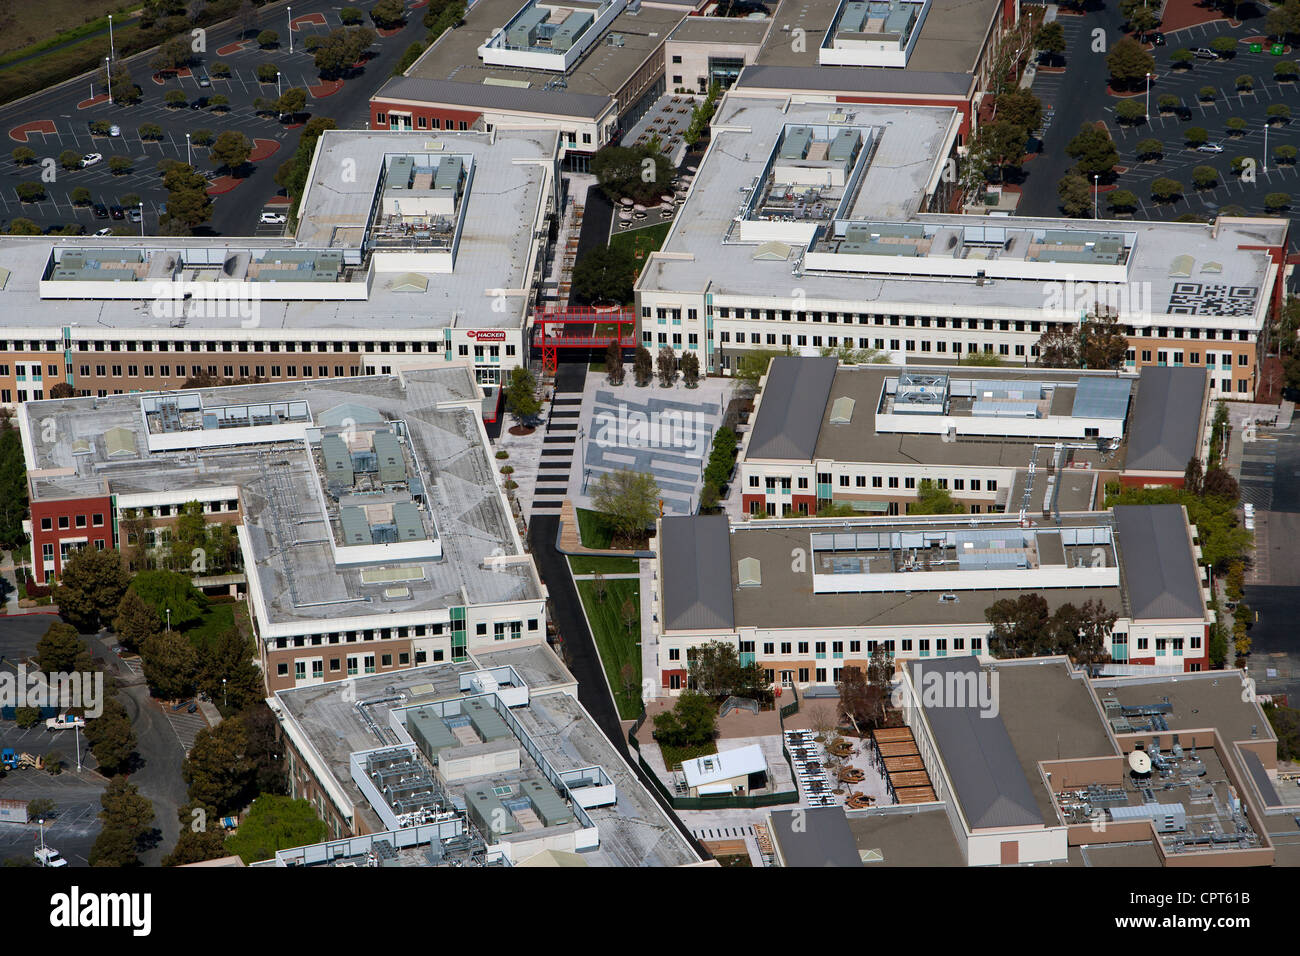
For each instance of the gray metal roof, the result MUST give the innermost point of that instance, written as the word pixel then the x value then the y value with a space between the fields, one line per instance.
pixel 1263 784
pixel 1159 570
pixel 1102 397
pixel 1166 418
pixel 982 763
pixel 823 838
pixel 865 79
pixel 790 412
pixel 491 96
pixel 696 558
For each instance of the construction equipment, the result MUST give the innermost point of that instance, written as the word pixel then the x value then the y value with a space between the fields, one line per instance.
pixel 8 759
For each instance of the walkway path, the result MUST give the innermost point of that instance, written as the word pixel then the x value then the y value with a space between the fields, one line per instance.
pixel 558 444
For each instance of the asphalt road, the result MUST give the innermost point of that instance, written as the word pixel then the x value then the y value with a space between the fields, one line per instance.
pixel 235 212
pixel 157 772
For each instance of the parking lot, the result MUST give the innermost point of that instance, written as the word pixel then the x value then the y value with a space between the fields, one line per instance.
pixel 59 119
pixel 75 824
pixel 1178 160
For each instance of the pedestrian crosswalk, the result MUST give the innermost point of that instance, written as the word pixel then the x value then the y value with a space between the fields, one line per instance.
pixel 558 446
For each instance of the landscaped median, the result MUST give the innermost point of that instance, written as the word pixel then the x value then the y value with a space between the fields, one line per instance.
pixel 613 609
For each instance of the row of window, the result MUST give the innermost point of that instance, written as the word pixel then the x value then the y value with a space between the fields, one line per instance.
pixel 877 481
pixel 213 346
pixel 69 521
pixel 381 119
pixel 501 630
pixel 926 322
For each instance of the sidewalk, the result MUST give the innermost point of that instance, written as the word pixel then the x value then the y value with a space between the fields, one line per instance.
pixel 651 685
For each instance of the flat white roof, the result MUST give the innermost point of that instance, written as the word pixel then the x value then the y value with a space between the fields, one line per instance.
pixel 725 765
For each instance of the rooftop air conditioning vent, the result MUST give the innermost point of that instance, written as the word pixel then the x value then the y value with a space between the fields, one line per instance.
pixel 948 599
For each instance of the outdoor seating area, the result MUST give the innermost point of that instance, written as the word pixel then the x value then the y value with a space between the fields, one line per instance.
pixel 893 752
pixel 810 768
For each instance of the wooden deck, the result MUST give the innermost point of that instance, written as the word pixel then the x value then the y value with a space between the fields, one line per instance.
pixel 916 795
pixel 895 765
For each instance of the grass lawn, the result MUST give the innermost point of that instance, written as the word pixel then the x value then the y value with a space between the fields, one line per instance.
pixel 641 242
pixel 589 564
pixel 216 620
pixel 618 645
pixel 673 756
pixel 59 21
pixel 594 530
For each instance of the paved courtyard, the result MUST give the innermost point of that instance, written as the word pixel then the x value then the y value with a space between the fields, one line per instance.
pixel 665 431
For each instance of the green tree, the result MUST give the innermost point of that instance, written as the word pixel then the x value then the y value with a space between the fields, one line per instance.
pixel 614 363
pixel 175 99
pixel 275 823
pixel 1129 64
pixel 1245 84
pixel 125 809
pixel 666 366
pixel 195 846
pixel 1196 136
pixel 111 738
pixel 642 366
pixel 30 191
pixel 639 172
pixel 227 672
pixel 1207 94
pixel 933 500
pixel 1102 340
pixel 1205 177
pixel 1285 155
pixel 203 137
pixel 1049 39
pixel 1167 103
pixel 1076 195
pixel 1093 151
pixel 605 276
pixel 150 131
pixel 1285 71
pixel 266 73
pixel 341 49
pixel 13 484
pixel 388 14
pixel 219 102
pixel 267 39
pixel 1277 202
pixel 23 227
pixel 1019 627
pixel 119 165
pixel 691 722
pixel 231 150
pixel 91 588
pixel 172 55
pixel 629 501
pixel 753 365
pixel 218 770
pixel 690 366
pixel 23 155
pixel 171 591
pixel 521 395
pixel 716 671
pixel 114 847
pixel 136 620
pixel 170 665
pixel 1164 189
pixel 1122 201
pixel 1130 111
pixel 1225 46
pixel 351 16
pixel 70 159
pixel 1182 59
pixel 292 101
pixel 1278 113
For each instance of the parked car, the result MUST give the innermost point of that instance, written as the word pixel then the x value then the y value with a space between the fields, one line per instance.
pixel 117 212
pixel 273 218
pixel 204 81
pixel 115 131
pixel 200 104
pixel 134 215
pixel 90 159
pixel 48 856
pixel 1205 53
pixel 65 722
pixel 100 211
pixel 103 232
pixel 1155 38
pixel 181 704
pixel 1209 148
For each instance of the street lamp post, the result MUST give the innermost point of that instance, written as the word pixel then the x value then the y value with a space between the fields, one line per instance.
pixel 41 821
pixel 225 702
pixel 277 83
pixel 1096 186
pixel 76 733
pixel 1148 113
pixel 141 218
pixel 289 10
pixel 188 160
pixel 108 73
pixel 169 619
pixel 1264 165
pixel 112 52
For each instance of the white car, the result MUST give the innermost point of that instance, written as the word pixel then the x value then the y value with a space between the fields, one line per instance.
pixel 65 722
pixel 1209 148
pixel 274 218
pixel 90 159
pixel 48 856
pixel 115 131
pixel 104 232
pixel 1250 524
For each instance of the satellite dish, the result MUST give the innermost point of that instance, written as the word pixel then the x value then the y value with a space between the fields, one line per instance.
pixel 1139 762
